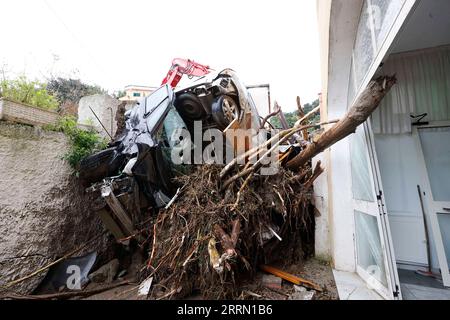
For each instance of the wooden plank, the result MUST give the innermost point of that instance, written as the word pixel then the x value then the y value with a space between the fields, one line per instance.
pixel 118 210
pixel 239 146
pixel 291 278
pixel 111 224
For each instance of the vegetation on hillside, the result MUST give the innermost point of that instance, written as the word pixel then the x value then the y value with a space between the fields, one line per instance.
pixel 83 142
pixel 71 89
pixel 34 93
pixel 119 94
pixel 292 117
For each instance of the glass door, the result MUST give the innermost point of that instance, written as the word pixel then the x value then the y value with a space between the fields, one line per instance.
pixel 435 145
pixel 374 259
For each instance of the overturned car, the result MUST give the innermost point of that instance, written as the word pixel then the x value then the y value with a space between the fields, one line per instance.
pixel 135 173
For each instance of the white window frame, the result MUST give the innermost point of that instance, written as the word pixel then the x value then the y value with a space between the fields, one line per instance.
pixel 384 47
pixel 393 289
pixel 375 209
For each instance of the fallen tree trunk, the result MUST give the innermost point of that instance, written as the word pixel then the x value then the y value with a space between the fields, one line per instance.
pixel 358 113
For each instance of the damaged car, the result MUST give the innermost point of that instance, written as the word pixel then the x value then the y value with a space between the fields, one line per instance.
pixel 135 173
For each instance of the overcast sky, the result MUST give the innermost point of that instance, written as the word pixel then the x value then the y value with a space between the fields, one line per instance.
pixel 118 42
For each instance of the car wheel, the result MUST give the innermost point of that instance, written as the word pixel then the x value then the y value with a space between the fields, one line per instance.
pixel 100 165
pixel 190 107
pixel 224 111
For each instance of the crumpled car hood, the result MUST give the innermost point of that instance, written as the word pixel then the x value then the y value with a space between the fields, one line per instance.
pixel 144 119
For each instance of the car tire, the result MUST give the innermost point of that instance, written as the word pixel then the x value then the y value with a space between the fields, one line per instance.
pixel 224 110
pixel 100 165
pixel 190 107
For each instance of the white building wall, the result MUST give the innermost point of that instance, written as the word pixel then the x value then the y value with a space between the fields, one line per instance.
pixel 323 243
pixel 335 186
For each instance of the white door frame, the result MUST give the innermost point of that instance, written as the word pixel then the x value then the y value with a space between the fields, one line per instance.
pixel 386 228
pixel 392 263
pixel 433 207
pixel 377 209
pixel 393 290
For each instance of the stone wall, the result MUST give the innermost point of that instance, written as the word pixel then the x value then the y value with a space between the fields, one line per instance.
pixel 105 107
pixel 22 113
pixel 43 210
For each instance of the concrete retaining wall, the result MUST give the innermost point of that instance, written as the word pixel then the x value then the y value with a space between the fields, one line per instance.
pixel 23 113
pixel 44 212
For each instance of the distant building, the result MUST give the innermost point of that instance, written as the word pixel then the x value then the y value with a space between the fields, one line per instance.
pixel 134 93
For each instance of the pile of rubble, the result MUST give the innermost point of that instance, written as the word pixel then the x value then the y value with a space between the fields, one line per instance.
pixel 210 241
pixel 226 223
pixel 223 224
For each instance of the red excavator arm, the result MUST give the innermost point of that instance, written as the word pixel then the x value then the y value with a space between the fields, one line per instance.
pixel 184 66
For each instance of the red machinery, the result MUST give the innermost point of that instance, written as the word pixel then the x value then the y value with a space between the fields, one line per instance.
pixel 184 66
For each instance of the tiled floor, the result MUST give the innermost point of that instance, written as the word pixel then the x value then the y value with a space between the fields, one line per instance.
pixel 415 292
pixel 414 287
pixel 418 287
pixel 351 287
pixel 411 277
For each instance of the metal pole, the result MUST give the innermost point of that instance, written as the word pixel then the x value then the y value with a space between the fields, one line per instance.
pixel 100 122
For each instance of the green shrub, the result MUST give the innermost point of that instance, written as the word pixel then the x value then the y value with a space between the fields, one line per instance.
pixel 82 142
pixel 30 92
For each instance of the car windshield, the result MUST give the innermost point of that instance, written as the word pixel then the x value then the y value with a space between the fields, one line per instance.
pixel 156 99
pixel 166 135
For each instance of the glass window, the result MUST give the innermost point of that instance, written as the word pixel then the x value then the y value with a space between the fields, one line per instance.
pixel 172 124
pixel 384 13
pixel 368 245
pixel 444 225
pixel 436 151
pixel 376 20
pixel 136 94
pixel 361 175
pixel 364 50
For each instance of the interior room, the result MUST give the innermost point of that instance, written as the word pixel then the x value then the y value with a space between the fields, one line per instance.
pixel 412 140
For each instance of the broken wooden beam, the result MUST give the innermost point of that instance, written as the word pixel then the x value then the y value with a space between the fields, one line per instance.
pixel 358 113
pixel 236 229
pixel 290 277
pixel 225 241
pixel 318 170
pixel 117 209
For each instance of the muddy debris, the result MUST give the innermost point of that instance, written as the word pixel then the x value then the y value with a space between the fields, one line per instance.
pixel 180 256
